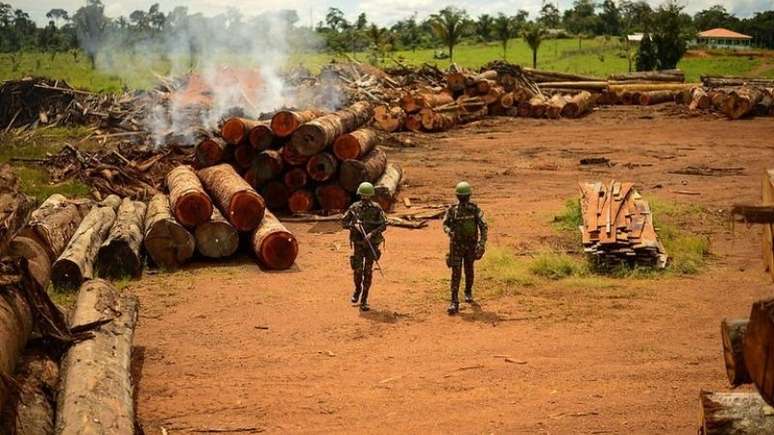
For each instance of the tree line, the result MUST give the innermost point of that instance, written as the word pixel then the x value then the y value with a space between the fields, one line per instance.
pixel 667 29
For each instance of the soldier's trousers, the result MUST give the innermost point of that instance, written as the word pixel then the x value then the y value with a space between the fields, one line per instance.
pixel 362 262
pixel 459 257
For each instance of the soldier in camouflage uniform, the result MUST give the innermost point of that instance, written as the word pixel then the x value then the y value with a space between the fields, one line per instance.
pixel 464 223
pixel 365 221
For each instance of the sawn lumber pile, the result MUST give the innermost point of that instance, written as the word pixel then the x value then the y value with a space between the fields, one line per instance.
pixel 618 226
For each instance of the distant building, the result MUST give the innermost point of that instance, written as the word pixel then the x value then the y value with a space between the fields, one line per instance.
pixel 723 38
pixel 635 38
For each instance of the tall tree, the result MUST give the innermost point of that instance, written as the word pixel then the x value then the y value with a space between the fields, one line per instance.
pixel 670 32
pixel 635 15
pixel 646 55
pixel 610 18
pixel 335 19
pixel 362 21
pixel 549 15
pixel 582 19
pixel 90 26
pixel 714 17
pixel 484 27
pixel 505 29
pixel 533 34
pixel 449 25
pixel 58 15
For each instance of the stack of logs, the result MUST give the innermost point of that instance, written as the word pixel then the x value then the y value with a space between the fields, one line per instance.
pixel 618 226
pixel 305 161
pixel 734 102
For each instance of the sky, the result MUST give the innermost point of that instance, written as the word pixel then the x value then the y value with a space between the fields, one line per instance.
pixel 383 12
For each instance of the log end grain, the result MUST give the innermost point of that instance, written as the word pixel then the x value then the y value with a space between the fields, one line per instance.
pixel 293 157
pixel 275 247
pixel 169 244
pixel 295 179
pixel 276 195
pixel 193 208
pixel 233 131
pixel 301 201
pixel 284 123
pixel 243 155
pixel 321 167
pixel 309 139
pixel 216 239
pixel 66 275
pixel 246 210
pixel 333 197
pixel 261 137
pixel 210 151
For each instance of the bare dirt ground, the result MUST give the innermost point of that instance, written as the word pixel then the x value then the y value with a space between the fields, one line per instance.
pixel 228 347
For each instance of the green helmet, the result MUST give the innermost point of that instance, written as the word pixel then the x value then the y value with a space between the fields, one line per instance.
pixel 365 190
pixel 463 189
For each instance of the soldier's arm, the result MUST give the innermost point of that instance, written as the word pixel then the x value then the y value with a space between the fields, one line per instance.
pixel 483 228
pixel 447 221
pixel 382 222
pixel 346 221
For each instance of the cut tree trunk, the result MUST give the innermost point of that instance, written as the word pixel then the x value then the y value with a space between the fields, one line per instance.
pixel 314 136
pixel 333 197
pixel 389 119
pixel 370 168
pixel 540 76
pixel 537 106
pixel 673 75
pixel 759 348
pixel 96 393
pixel 211 151
pixel 236 131
pixel 437 121
pixel 699 100
pixel 15 207
pixel 652 87
pixel 76 264
pixel 732 332
pixel 578 105
pixel 240 203
pixel 267 166
pixel 356 144
pixel 168 243
pixel 301 201
pixel 455 81
pixel 120 256
pixel 734 414
pixel 243 155
pixel 276 195
pixel 38 260
pixel 216 238
pixel 656 97
pixel 55 221
pixel 741 102
pixel 15 328
pixel 292 157
pixel 555 105
pixel 261 137
pixel 322 167
pixel 295 179
pixel 285 123
pixel 387 186
pixel 275 247
pixel 190 202
pixel 414 123
pixel 30 409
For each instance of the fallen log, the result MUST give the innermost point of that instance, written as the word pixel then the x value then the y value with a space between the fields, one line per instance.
pixel 734 413
pixel 437 121
pixel 15 328
pixel 55 221
pixel 240 203
pixel 76 264
pixel 216 238
pixel 414 123
pixel 301 201
pixel 275 247
pixel 322 167
pixel 96 393
pixel 292 157
pixel 120 256
pixel 389 119
pixel 656 97
pixel 236 131
pixel 759 348
pixel 15 207
pixel 699 100
pixel 386 187
pixel 732 81
pixel 356 144
pixel 551 76
pixel 732 332
pixel 673 75
pixel 190 202
pixel 537 106
pixel 741 102
pixel 167 242
pixel 276 195
pixel 370 168
pixel 312 137
pixel 555 105
pixel 455 81
pixel 30 408
pixel 333 197
pixel 295 179
pixel 578 105
pixel 211 151
pixel 261 136
pixel 38 260
pixel 652 87
pixel 267 166
pixel 284 123
pixel 586 86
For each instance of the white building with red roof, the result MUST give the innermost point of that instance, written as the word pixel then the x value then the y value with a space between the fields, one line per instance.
pixel 723 38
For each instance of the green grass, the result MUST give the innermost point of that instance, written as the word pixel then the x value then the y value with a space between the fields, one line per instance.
pixel 599 57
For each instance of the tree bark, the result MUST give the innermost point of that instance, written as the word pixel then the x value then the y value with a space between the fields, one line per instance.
pixel 555 105
pixel 240 203
pixel 674 76
pixel 387 186
pixel 389 119
pixel 732 332
pixel 295 179
pixel 38 260
pixel 236 131
pixel 216 238
pixel 734 414
pixel 120 256
pixel 312 137
pixel 578 105
pixel 55 221
pixel 437 121
pixel 211 151
pixel 537 106
pixel 276 195
pixel 76 264
pixel 322 167
pixel 261 137
pixel 285 123
pixel 741 102
pixel 333 197
pixel 30 409
pixel 699 100
pixel 275 247
pixel 414 123
pixel 15 329
pixel 356 144
pixel 759 348
pixel 190 202
pixel 656 97
pixel 168 243
pixel 96 394
pixel 301 201
pixel 370 168
pixel 15 207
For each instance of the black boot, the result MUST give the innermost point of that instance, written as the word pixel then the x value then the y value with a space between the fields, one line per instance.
pixel 358 277
pixel 454 308
pixel 364 299
pixel 355 296
pixel 469 297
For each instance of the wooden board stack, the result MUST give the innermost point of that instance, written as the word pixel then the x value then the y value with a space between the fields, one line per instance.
pixel 618 226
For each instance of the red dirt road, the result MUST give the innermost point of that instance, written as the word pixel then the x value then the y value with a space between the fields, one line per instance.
pixel 228 347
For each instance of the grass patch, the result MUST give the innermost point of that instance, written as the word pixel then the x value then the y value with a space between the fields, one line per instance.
pixel 570 218
pixel 555 266
pixel 64 299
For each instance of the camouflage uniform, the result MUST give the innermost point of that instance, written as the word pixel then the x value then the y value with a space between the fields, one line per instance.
pixel 467 229
pixel 372 217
